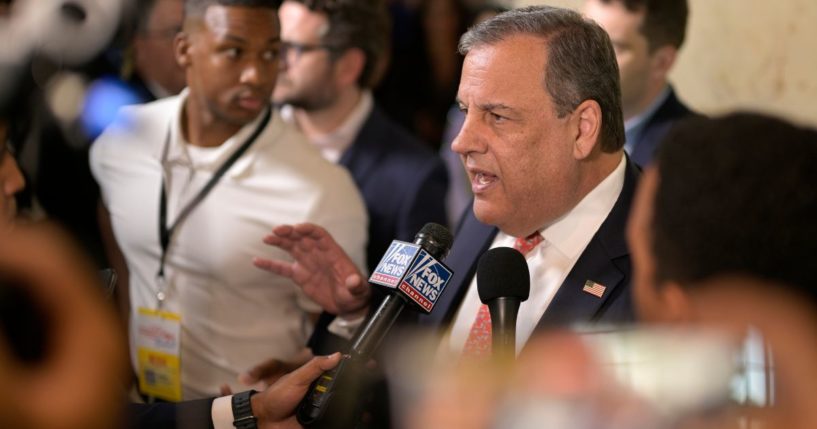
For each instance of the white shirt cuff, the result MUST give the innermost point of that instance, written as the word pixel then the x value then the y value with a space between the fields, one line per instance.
pixel 222 412
pixel 345 328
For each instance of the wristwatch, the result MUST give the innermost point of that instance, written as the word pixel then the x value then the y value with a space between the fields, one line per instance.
pixel 242 411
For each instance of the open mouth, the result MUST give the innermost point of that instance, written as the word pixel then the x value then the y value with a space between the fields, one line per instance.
pixel 481 181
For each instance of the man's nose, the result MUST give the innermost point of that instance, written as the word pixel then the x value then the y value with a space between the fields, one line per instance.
pixel 470 138
pixel 12 178
pixel 255 73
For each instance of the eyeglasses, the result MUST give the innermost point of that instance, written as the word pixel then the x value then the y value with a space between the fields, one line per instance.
pixel 297 49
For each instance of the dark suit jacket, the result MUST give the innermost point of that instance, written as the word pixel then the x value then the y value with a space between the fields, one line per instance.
pixel 402 180
pixel 606 260
pixel 657 127
pixel 403 183
pixel 188 414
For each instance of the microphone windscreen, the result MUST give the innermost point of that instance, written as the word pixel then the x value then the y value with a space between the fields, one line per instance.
pixel 502 272
pixel 436 238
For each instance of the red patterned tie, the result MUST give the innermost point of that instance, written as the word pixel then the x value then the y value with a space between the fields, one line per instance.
pixel 478 344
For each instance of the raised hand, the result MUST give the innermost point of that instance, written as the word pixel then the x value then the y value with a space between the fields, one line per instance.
pixel 320 267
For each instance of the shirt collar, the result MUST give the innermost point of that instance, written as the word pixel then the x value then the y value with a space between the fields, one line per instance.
pixel 180 152
pixel 333 144
pixel 634 124
pixel 571 233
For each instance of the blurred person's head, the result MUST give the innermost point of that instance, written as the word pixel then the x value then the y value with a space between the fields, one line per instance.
pixel 330 46
pixel 229 50
pixel 543 123
pixel 11 179
pixel 723 234
pixel 646 35
pixel 732 196
pixel 154 58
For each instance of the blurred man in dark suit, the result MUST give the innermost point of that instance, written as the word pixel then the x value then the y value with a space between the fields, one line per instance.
pixel 334 53
pixel 151 62
pixel 646 35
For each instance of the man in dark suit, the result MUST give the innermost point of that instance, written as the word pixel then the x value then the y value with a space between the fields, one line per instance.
pixel 542 145
pixel 334 54
pixel 150 62
pixel 646 36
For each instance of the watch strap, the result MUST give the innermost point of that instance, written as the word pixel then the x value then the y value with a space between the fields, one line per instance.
pixel 242 410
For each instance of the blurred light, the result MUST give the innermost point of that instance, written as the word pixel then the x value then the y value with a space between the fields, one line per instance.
pixel 103 100
pixel 65 93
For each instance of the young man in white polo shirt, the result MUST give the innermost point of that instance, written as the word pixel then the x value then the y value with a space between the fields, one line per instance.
pixel 191 185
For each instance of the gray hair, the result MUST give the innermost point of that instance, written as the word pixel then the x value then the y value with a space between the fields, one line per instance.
pixel 581 62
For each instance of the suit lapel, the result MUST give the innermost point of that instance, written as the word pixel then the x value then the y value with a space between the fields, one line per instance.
pixel 472 240
pixel 605 261
pixel 368 147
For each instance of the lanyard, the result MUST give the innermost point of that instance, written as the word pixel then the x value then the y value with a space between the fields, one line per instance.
pixel 165 232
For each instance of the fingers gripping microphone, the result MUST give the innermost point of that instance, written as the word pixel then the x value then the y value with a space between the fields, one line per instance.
pixel 503 282
pixel 416 277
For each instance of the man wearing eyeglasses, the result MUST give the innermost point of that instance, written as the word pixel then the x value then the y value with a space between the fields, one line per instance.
pixel 153 64
pixel 334 53
pixel 191 184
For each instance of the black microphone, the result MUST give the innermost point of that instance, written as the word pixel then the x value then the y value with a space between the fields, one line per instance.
pixel 503 282
pixel 417 277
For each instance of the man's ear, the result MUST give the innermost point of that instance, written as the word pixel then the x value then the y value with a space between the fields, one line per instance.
pixel 349 66
pixel 182 47
pixel 662 61
pixel 676 302
pixel 586 122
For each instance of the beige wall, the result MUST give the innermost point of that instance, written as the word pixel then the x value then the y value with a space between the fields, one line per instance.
pixel 746 54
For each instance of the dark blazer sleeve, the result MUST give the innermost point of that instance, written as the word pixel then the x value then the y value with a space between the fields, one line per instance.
pixel 403 182
pixel 182 415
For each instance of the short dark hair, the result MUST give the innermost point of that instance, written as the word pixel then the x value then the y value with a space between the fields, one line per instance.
pixel 581 62
pixel 144 8
pixel 737 195
pixel 362 24
pixel 665 21
pixel 196 8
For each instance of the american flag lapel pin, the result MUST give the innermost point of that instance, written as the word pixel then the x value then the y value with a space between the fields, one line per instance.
pixel 594 288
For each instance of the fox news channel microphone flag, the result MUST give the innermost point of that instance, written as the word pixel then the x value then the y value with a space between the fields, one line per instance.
pixel 424 279
pixel 414 274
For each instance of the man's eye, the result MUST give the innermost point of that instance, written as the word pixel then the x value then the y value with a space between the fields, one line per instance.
pixel 271 55
pixel 496 118
pixel 232 52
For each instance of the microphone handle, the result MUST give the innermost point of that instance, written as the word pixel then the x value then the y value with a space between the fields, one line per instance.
pixel 372 334
pixel 503 326
pixel 321 398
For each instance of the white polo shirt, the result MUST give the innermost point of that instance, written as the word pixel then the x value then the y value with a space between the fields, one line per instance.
pixel 233 315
